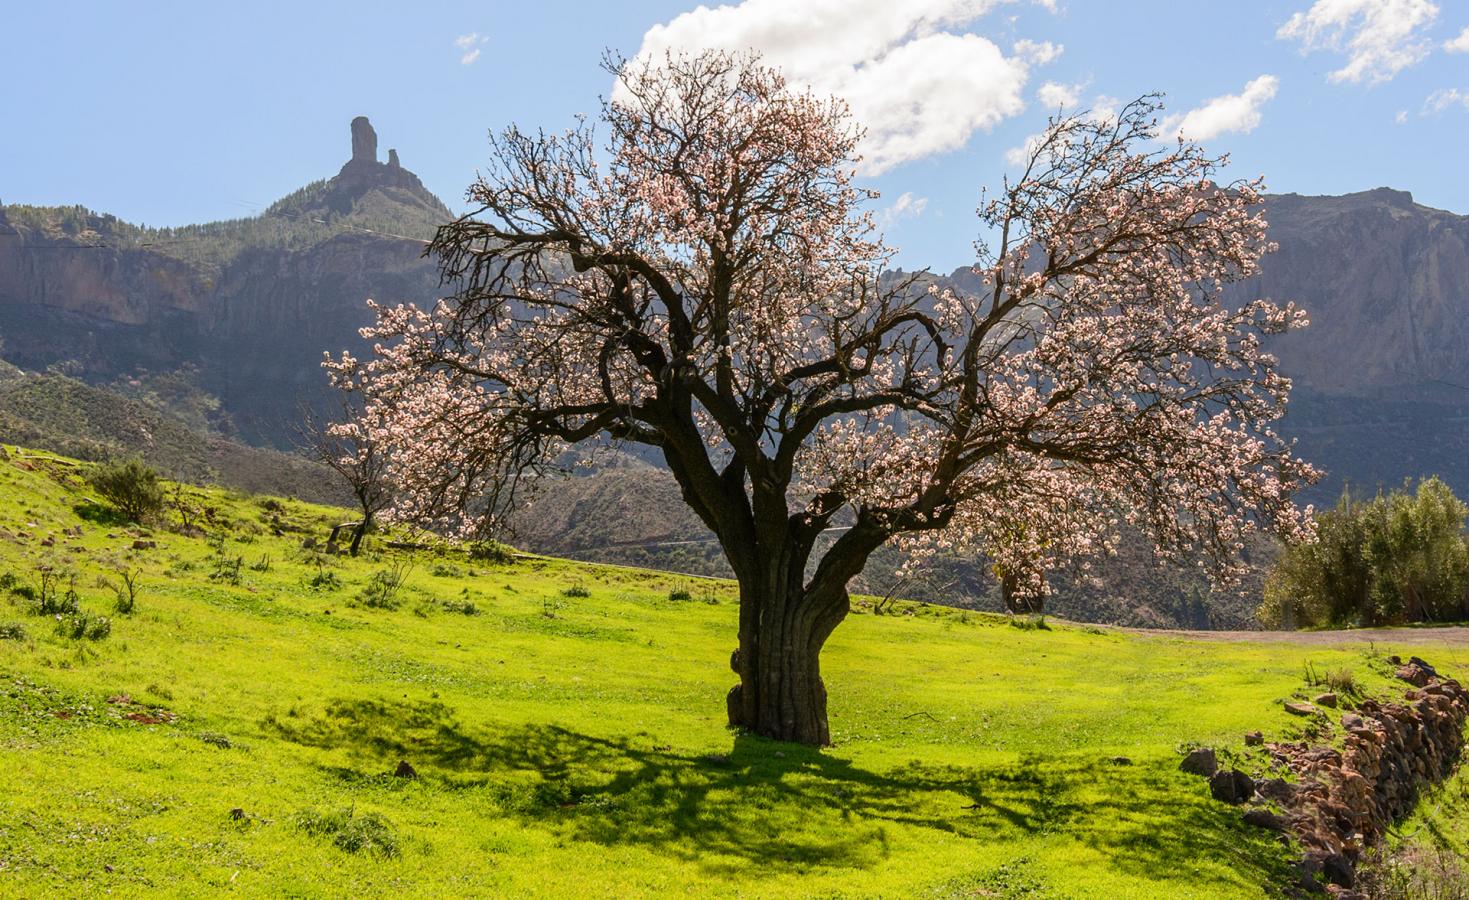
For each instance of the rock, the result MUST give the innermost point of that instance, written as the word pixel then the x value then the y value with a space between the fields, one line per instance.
pixel 1231 786
pixel 1415 661
pixel 1414 674
pixel 364 140
pixel 1254 739
pixel 1121 761
pixel 718 759
pixel 1200 762
pixel 405 770
pixel 1327 699
pixel 1352 722
pixel 1260 817
pixel 48 542
pixel 1300 708
pixel 393 159
pixel 1337 869
pixel 308 544
pixel 141 544
pixel 1277 789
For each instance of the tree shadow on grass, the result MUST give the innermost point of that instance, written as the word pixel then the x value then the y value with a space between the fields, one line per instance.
pixel 782 804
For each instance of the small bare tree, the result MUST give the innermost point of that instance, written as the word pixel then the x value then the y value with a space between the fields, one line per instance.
pixel 347 448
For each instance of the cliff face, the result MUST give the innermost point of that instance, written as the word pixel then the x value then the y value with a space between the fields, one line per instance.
pixel 252 303
pixel 1386 284
pixel 1382 373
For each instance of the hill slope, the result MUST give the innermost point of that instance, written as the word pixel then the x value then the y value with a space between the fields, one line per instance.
pixel 65 415
pixel 240 728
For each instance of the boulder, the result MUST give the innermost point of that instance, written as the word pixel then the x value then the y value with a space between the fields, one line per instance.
pixel 1254 739
pixel 1300 708
pixel 1414 674
pixel 1327 699
pixel 1260 817
pixel 1231 786
pixel 1200 762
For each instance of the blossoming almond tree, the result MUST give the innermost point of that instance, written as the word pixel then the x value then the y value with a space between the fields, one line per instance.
pixel 706 284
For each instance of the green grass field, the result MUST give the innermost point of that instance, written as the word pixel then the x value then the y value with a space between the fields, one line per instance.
pixel 571 745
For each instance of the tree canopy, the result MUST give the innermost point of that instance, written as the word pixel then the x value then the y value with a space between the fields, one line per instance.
pixel 707 282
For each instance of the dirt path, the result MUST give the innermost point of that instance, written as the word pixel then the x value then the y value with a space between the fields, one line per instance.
pixel 1452 636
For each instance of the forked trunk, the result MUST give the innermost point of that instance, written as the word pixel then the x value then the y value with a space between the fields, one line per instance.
pixel 780 694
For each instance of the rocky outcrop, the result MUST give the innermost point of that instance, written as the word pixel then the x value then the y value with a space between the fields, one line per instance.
pixel 364 141
pixel 1341 802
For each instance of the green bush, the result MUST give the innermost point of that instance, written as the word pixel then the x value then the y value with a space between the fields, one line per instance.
pixel 83 625
pixel 12 631
pixel 369 833
pixel 132 488
pixel 1400 557
pixel 492 552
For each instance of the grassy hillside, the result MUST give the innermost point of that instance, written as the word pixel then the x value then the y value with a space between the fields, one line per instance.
pixel 239 731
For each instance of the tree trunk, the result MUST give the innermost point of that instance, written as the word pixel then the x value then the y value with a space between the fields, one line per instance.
pixel 357 535
pixel 780 694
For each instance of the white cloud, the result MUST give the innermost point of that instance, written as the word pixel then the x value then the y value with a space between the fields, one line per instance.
pixel 1441 100
pixel 913 77
pixel 1379 37
pixel 1056 96
pixel 906 206
pixel 1223 115
pixel 1036 53
pixel 1402 117
pixel 470 43
pixel 1459 44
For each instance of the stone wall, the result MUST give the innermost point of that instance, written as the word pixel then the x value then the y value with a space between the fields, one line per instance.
pixel 1338 803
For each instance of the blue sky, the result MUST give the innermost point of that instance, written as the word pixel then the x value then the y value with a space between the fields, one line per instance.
pixel 173 113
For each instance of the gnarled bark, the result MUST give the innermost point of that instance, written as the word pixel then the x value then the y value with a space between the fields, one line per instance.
pixel 781 694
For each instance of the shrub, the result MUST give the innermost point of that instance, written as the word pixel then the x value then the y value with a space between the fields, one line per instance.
pixel 368 833
pixel 324 580
pixel 492 552
pixel 126 590
pixel 680 595
pixel 227 569
pixel 463 607
pixel 48 597
pixel 12 631
pixel 381 591
pixel 576 590
pixel 1397 558
pixel 83 625
pixel 132 488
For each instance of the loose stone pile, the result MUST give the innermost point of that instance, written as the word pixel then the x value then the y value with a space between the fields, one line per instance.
pixel 1342 801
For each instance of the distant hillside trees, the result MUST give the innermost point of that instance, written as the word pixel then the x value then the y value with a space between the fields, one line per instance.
pixel 1399 557
pixel 710 284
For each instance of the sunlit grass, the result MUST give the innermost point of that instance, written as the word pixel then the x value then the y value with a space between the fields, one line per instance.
pixel 245 736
